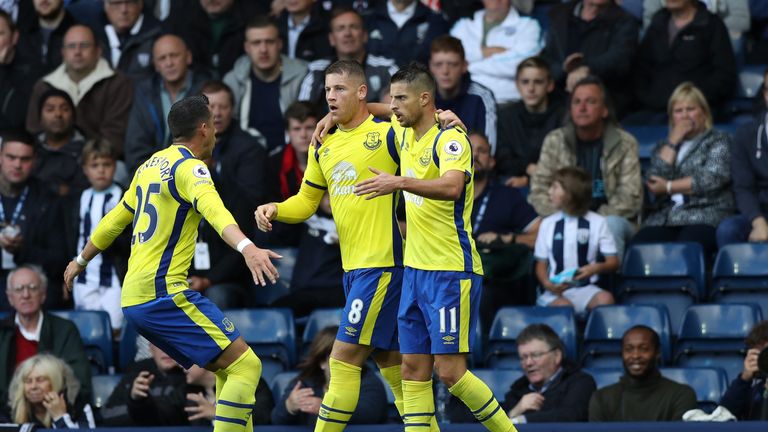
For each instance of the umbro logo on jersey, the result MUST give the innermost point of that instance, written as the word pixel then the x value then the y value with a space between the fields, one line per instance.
pixel 372 141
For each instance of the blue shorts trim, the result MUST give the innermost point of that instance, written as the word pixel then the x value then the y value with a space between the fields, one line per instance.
pixel 438 311
pixel 186 326
pixel 370 313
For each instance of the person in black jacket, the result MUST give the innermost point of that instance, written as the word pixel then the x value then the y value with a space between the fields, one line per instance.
pixel 745 397
pixel 40 42
pixel 304 30
pixel 552 388
pixel 684 42
pixel 592 37
pixel 127 37
pixel 17 77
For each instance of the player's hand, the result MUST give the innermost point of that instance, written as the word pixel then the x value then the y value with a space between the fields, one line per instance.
pixel 750 365
pixel 70 273
pixel 201 408
pixel 448 119
pixel 321 130
pixel 264 215
pixel 140 386
pixel 383 184
pixel 258 261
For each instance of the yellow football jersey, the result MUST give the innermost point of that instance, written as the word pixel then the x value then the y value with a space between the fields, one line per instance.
pixel 439 232
pixel 369 235
pixel 168 196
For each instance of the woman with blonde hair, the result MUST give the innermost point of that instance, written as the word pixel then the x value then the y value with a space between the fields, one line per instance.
pixel 44 391
pixel 690 175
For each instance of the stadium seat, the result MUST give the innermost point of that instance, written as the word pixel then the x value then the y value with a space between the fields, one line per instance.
pixel 708 383
pixel 510 321
pixel 96 333
pixel 605 376
pixel 128 336
pixel 499 380
pixel 607 324
pixel 318 320
pixel 750 80
pixel 272 335
pixel 740 275
pixel 667 273
pixel 392 413
pixel 647 137
pixel 279 384
pixel 712 335
pixel 264 296
pixel 4 314
pixel 103 385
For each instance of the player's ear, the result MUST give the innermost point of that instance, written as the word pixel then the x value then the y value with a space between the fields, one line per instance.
pixel 362 92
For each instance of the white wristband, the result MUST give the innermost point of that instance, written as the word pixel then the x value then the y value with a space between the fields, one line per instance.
pixel 243 243
pixel 81 261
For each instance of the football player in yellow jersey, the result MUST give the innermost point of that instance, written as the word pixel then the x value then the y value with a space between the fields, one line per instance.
pixel 369 237
pixel 168 196
pixel 442 282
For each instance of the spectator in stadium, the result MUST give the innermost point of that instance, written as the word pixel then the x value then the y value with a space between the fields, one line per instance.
pixel 594 37
pixel 102 96
pixel 29 215
pixel 641 394
pixel 128 36
pixel 570 241
pixel 264 82
pixel 45 392
pixel 17 76
pixel 348 37
pixel 41 42
pixel 153 96
pixel 472 102
pixel 304 31
pixel 29 330
pixel 552 389
pixel 689 175
pixel 300 404
pixel 403 30
pixel 734 13
pixel 214 31
pixel 201 395
pixel 744 398
pixel 750 179
pixel 496 39
pixel 684 42
pixel 593 141
pixel 524 124
pixel 60 144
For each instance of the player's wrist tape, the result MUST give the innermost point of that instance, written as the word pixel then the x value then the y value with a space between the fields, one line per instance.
pixel 243 243
pixel 81 261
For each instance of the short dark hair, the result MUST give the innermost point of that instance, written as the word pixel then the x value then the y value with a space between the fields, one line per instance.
pixel 215 86
pixel 535 62
pixel 300 111
pixel 758 335
pixel 655 340
pixel 447 43
pixel 542 332
pixel 607 101
pixel 577 185
pixel 54 92
pixel 186 115
pixel 20 136
pixel 349 67
pixel 98 148
pixel 261 21
pixel 416 73
pixel 8 20
pixel 341 10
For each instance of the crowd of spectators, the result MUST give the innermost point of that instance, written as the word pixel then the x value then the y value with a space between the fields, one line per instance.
pixel 86 86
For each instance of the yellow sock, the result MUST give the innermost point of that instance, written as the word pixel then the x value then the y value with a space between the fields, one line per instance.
pixel 394 378
pixel 479 399
pixel 236 394
pixel 341 398
pixel 419 406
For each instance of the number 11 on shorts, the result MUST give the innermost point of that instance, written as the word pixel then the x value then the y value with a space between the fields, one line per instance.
pixel 452 317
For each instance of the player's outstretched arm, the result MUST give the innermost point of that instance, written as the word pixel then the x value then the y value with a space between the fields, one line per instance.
pixel 448 187
pixel 77 265
pixel 258 260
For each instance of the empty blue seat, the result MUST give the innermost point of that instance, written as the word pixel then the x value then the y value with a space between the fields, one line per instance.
pixel 607 324
pixel 510 321
pixel 668 273
pixel 318 320
pixel 279 384
pixel 96 333
pixel 708 383
pixel 264 296
pixel 740 275
pixel 272 335
pixel 103 385
pixel 499 380
pixel 605 376
pixel 127 349
pixel 751 80
pixel 647 137
pixel 712 335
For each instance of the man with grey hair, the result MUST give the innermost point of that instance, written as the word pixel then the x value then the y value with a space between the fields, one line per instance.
pixel 29 330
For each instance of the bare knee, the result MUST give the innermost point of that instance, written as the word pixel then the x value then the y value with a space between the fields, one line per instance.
pixel 450 368
pixel 350 353
pixel 417 367
pixel 385 359
pixel 561 301
pixel 601 298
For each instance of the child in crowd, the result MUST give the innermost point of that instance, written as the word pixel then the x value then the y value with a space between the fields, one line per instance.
pixel 568 244
pixel 98 287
